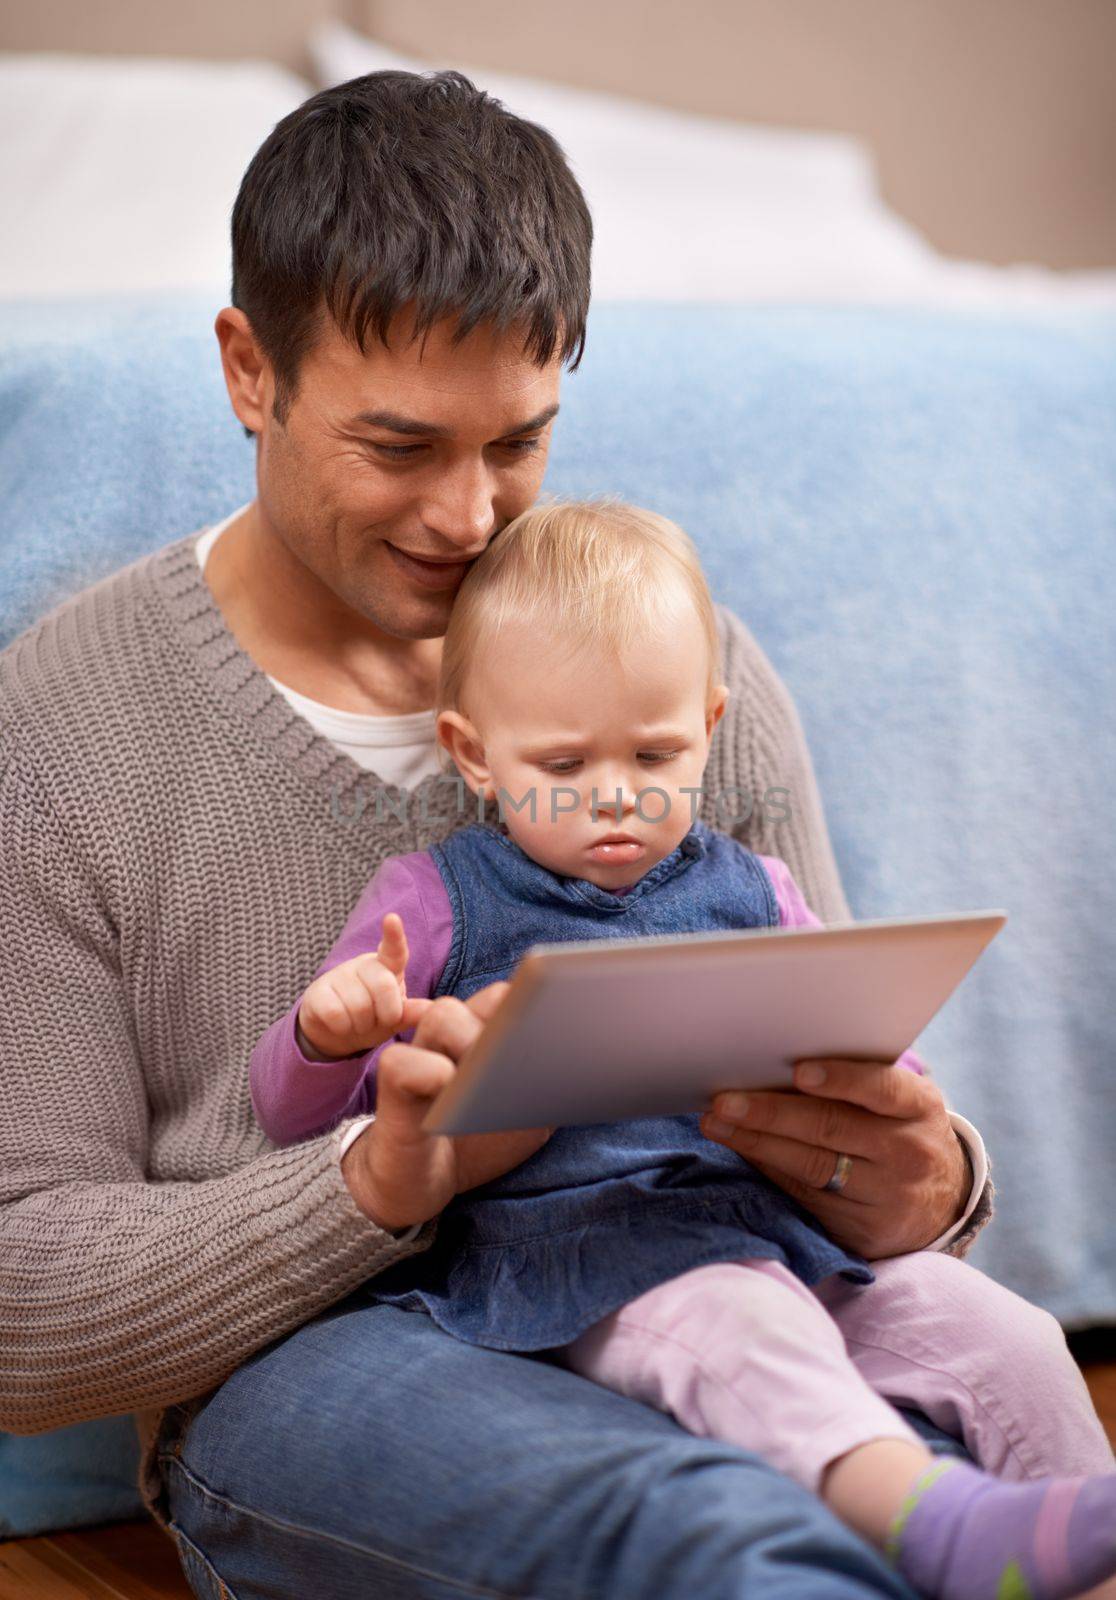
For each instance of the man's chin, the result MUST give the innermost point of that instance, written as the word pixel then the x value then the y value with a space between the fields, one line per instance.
pixel 406 615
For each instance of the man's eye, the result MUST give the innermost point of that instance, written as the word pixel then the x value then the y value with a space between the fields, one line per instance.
pixel 401 452
pixel 396 452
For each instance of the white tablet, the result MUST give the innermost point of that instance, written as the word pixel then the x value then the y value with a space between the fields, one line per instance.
pixel 603 1029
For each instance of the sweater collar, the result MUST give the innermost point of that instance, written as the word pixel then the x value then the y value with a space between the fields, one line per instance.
pixel 344 793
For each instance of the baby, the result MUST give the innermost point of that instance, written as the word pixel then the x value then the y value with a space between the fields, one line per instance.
pixel 579 687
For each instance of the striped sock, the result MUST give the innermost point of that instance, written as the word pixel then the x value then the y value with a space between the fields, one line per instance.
pixel 961 1534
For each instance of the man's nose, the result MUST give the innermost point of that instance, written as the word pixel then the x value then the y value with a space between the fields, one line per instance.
pixel 461 507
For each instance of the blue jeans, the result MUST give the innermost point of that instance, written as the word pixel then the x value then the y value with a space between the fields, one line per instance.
pixel 371 1456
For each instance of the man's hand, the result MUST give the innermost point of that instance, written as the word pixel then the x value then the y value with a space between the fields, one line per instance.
pixel 399 1175
pixel 910 1173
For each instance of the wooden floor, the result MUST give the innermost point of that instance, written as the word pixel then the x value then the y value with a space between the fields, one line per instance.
pixel 126 1561
pixel 137 1561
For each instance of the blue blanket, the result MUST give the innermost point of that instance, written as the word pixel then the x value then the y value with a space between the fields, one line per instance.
pixel 914 512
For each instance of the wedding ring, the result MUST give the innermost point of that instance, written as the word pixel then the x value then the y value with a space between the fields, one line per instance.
pixel 840 1174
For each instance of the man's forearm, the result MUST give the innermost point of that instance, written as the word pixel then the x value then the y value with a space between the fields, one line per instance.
pixel 213 1271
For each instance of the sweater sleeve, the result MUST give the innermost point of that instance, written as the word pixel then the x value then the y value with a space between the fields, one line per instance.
pixel 765 756
pixel 295 1097
pixel 118 1293
pixel 795 913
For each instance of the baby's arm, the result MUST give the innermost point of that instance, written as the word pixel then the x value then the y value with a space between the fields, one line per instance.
pixel 296 1095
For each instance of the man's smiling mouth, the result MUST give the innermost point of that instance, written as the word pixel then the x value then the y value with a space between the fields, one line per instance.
pixel 433 574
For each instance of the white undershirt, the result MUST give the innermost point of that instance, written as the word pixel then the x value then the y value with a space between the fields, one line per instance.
pixel 402 750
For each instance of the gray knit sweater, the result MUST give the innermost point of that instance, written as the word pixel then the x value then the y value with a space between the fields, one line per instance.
pixel 180 849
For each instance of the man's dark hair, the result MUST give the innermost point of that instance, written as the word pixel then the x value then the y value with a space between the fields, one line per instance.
pixel 404 187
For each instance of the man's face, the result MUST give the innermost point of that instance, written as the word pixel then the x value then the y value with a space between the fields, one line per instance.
pixel 396 452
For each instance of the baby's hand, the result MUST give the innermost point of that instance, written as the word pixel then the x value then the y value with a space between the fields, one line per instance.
pixel 361 1002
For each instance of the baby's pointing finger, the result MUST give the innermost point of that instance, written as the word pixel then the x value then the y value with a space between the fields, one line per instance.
pixel 392 949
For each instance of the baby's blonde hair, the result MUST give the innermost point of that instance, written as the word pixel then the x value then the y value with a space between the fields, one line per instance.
pixel 594 571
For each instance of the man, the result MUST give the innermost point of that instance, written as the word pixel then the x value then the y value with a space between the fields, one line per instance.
pixel 192 765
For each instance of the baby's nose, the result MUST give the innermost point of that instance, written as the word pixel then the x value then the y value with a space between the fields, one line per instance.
pixel 615 795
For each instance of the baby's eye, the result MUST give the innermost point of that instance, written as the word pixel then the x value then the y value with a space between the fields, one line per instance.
pixel 655 757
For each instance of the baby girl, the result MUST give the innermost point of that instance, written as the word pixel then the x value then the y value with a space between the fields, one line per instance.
pixel 579 689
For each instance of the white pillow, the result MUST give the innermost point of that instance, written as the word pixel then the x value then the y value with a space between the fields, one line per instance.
pixel 119 174
pixel 701 208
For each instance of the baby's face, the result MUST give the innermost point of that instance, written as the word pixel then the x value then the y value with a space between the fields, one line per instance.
pixel 556 727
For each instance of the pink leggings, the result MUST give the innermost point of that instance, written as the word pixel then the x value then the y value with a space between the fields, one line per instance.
pixel 743 1351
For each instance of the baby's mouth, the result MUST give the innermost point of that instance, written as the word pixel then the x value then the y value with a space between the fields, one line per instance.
pixel 624 849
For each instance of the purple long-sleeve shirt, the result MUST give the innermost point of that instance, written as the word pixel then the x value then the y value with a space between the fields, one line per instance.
pixel 295 1097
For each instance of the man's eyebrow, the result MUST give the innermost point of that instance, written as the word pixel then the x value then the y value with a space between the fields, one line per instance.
pixel 395 423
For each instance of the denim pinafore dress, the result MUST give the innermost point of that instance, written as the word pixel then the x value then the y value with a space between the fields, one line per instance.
pixel 603 1212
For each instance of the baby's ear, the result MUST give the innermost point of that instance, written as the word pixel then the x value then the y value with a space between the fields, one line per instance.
pixel 716 709
pixel 459 736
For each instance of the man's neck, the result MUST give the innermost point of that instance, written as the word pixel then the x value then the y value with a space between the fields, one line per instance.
pixel 318 657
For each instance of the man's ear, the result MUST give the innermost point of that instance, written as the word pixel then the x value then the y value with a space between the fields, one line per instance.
pixel 247 374
pixel 716 708
pixel 459 736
